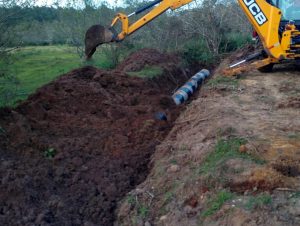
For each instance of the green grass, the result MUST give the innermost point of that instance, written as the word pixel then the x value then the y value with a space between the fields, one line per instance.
pixel 296 195
pixel 148 72
pixel 168 196
pixel 224 150
pixel 143 211
pixel 222 80
pixel 217 202
pixel 131 200
pixel 294 136
pixel 35 66
pixel 50 153
pixel 2 130
pixel 258 201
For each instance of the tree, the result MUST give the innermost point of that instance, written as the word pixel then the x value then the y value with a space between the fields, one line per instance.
pixel 10 14
pixel 213 21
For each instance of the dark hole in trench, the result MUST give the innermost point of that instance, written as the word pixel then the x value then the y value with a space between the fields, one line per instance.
pixel 287 170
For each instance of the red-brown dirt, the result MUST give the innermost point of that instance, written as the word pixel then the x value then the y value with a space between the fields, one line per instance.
pixel 137 60
pixel 100 127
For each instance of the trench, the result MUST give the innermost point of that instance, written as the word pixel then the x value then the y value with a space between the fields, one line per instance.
pixel 76 147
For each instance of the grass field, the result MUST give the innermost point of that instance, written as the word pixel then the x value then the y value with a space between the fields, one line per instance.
pixel 31 67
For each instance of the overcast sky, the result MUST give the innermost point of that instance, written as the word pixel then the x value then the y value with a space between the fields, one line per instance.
pixel 63 2
pixel 112 3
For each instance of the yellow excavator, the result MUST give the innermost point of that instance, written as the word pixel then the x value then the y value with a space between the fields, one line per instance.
pixel 275 21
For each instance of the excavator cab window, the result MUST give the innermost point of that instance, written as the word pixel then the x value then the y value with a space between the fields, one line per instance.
pixel 290 9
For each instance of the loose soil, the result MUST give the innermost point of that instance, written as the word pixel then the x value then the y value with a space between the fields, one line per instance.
pixel 151 57
pixel 79 144
pixel 262 187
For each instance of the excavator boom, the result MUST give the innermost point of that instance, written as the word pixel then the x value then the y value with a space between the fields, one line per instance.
pixel 98 34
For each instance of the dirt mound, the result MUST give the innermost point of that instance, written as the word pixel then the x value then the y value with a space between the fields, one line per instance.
pixel 76 146
pixel 138 60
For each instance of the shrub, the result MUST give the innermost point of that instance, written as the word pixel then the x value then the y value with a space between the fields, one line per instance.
pixel 196 51
pixel 234 41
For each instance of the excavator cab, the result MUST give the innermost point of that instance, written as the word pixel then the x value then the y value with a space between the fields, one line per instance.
pixel 290 9
pixel 290 13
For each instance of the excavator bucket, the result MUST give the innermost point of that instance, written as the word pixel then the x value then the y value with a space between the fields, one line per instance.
pixel 95 36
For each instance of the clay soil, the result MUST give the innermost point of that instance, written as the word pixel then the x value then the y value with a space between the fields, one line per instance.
pixel 79 144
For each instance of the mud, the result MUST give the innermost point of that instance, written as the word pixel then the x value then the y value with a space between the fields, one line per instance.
pixel 77 145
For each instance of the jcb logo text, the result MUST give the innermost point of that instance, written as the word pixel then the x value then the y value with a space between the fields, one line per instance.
pixel 256 12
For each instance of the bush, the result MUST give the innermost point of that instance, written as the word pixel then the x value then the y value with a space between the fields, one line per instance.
pixel 234 41
pixel 196 51
pixel 8 81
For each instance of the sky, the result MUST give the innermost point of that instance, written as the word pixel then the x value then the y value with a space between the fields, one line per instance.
pixel 63 2
pixel 111 3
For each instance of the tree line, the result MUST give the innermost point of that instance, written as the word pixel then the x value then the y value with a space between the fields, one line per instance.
pixel 210 25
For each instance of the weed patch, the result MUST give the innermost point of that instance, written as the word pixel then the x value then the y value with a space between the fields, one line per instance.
pixel 294 136
pixel 50 153
pixel 131 200
pixel 168 197
pixel 148 72
pixel 173 161
pixel 143 211
pixel 217 202
pixel 183 148
pixel 296 195
pixel 258 201
pixel 2 130
pixel 223 81
pixel 224 150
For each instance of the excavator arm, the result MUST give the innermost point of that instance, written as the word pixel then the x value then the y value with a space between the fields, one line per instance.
pixel 97 34
pixel 163 6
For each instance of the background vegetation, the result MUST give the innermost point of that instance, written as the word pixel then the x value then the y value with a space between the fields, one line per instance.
pixel 39 43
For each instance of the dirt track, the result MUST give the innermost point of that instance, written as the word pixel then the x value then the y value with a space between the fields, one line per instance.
pixel 79 144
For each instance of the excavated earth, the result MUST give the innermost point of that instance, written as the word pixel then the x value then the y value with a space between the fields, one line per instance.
pixel 73 149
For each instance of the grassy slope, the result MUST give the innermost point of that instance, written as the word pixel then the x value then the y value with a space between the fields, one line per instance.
pixel 36 66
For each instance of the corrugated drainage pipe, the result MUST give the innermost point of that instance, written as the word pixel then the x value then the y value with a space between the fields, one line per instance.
pixel 187 90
